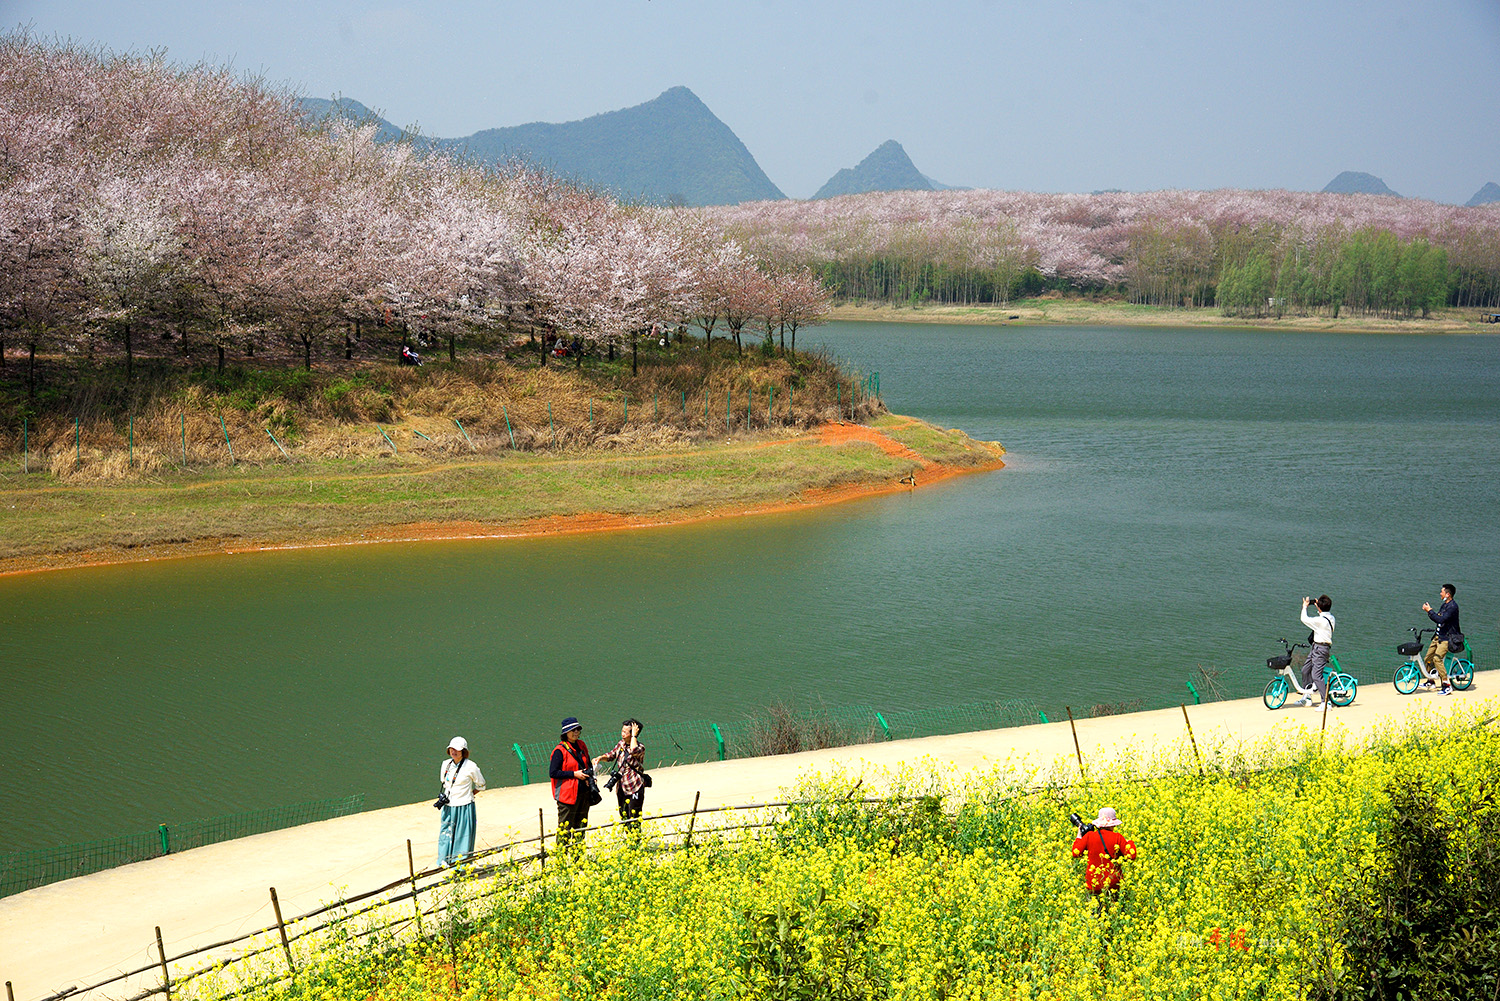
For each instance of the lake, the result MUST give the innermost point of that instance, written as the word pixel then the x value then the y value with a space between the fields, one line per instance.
pixel 1170 496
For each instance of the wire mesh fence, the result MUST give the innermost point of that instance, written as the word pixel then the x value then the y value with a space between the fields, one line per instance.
pixel 29 868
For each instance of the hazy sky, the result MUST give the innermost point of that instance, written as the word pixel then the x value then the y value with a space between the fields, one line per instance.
pixel 1035 95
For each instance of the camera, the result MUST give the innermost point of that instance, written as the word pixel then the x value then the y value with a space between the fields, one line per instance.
pixel 612 781
pixel 1083 826
pixel 441 801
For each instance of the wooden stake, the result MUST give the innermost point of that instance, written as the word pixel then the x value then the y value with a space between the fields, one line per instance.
pixel 281 927
pixel 541 824
pixel 166 978
pixel 1193 739
pixel 693 819
pixel 1076 749
pixel 411 866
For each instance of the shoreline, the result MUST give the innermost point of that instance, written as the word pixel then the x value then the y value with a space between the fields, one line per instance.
pixel 1088 313
pixel 927 472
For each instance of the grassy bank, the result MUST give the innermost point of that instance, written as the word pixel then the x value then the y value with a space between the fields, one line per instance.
pixel 1292 871
pixel 46 521
pixel 1090 312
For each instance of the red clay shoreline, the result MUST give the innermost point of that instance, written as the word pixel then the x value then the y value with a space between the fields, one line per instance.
pixel 927 473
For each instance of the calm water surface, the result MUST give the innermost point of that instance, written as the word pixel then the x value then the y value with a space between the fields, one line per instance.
pixel 1170 495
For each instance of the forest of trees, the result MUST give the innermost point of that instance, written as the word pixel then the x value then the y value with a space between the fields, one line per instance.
pixel 184 209
pixel 1248 252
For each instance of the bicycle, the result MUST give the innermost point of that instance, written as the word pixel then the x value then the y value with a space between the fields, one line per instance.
pixel 1342 687
pixel 1414 672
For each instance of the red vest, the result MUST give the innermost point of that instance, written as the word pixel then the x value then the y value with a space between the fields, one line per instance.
pixel 566 790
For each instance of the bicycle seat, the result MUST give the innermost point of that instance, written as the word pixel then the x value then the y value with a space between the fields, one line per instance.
pixel 1408 649
pixel 1277 663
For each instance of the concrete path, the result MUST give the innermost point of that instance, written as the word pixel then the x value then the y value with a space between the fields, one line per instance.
pixel 84 930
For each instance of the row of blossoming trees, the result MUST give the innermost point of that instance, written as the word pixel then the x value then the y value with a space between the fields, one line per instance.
pixel 1247 251
pixel 137 197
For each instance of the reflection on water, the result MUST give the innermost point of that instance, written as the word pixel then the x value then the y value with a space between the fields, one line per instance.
pixel 1169 496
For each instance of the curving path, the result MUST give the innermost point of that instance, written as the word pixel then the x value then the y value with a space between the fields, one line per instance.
pixel 86 929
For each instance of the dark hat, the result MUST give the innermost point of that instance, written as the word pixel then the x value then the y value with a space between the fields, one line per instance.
pixel 571 723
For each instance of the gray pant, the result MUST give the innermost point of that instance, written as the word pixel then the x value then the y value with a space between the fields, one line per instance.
pixel 1312 670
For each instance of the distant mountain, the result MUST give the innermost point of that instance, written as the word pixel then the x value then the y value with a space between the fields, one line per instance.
pixel 886 169
pixel 1354 182
pixel 668 151
pixel 940 186
pixel 317 109
pixel 1485 195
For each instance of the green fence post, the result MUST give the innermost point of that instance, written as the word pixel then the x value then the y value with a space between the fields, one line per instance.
pixel 625 402
pixel 77 447
pixel 728 407
pixel 166 844
pixel 1196 699
pixel 466 434
pixel 591 411
pixel 1043 716
pixel 275 442
pixel 770 403
pixel 720 738
pixel 225 429
pixel 883 725
pixel 525 775
pixel 705 405
pixel 387 439
pixel 420 434
pixel 684 401
pixel 183 419
pixel 749 404
pixel 506 411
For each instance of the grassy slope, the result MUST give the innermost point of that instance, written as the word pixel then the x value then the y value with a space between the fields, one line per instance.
pixel 330 499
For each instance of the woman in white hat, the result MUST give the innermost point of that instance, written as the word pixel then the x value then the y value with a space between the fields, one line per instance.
pixel 1103 845
pixel 461 779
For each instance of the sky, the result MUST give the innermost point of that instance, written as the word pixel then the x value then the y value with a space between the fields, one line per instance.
pixel 1031 95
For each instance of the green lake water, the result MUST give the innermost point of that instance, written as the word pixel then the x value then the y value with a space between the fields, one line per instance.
pixel 1169 498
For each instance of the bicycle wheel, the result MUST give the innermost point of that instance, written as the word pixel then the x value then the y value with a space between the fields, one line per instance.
pixel 1275 695
pixel 1407 678
pixel 1343 689
pixel 1460 673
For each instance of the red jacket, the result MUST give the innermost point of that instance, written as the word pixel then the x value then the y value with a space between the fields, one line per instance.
pixel 565 761
pixel 1103 847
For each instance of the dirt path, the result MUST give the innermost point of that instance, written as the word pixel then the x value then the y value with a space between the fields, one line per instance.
pixel 84 930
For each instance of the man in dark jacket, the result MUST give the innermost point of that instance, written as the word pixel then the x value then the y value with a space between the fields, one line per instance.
pixel 1446 617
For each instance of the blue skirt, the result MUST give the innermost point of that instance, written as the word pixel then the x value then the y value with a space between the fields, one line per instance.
pixel 456 833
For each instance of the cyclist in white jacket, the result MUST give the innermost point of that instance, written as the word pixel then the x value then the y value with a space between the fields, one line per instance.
pixel 1321 642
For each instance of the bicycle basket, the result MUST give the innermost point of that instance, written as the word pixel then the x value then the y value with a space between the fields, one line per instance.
pixel 1277 663
pixel 1408 649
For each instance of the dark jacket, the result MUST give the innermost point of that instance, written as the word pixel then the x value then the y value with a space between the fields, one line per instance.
pixel 1446 617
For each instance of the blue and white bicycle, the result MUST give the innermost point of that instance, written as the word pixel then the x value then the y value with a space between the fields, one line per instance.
pixel 1414 672
pixel 1341 687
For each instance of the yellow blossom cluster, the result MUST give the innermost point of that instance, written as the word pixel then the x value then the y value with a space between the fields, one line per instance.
pixel 937 894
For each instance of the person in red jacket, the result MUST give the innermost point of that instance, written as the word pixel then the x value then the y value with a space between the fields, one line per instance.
pixel 572 772
pixel 1103 845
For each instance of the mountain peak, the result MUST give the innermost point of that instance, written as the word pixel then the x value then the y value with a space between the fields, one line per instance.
pixel 1357 182
pixel 1485 195
pixel 888 168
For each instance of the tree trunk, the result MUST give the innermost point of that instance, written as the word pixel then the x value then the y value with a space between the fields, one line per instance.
pixel 129 355
pixel 634 349
pixel 611 350
pixel 31 370
pixel 307 350
pixel 220 348
pixel 452 356
pixel 2 352
pixel 541 345
pixel 348 345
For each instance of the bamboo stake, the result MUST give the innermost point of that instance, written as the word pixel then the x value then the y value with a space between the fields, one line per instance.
pixel 541 823
pixel 411 866
pixel 1076 749
pixel 693 819
pixel 166 977
pixel 1193 739
pixel 281 927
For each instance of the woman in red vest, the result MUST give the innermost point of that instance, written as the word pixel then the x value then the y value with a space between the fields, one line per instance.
pixel 572 773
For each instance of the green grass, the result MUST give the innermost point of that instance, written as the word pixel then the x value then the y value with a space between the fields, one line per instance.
pixel 323 498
